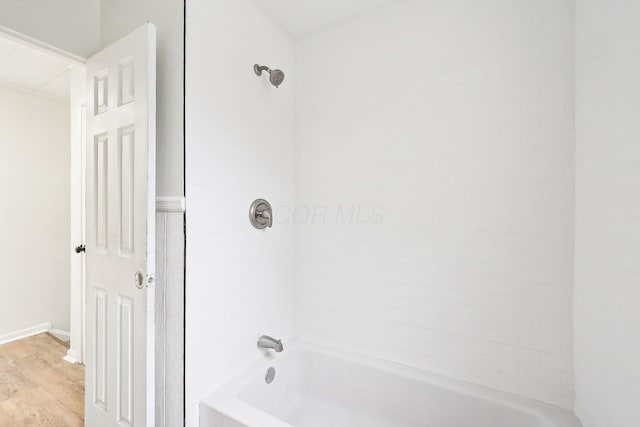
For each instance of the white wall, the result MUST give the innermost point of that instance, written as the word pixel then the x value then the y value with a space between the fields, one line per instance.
pixel 607 262
pixel 240 148
pixel 120 17
pixel 449 125
pixel 34 184
pixel 71 25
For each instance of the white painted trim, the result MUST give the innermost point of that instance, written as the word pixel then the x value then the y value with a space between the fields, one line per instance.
pixel 41 46
pixel 77 220
pixel 71 357
pixel 61 335
pixel 170 204
pixel 25 333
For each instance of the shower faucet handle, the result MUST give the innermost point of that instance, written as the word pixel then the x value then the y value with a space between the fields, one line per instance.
pixel 261 214
pixel 266 214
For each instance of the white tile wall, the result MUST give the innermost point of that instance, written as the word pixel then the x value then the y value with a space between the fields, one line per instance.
pixel 434 150
pixel 607 262
pixel 239 130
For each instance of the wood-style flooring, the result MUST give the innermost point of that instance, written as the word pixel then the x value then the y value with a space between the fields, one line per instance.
pixel 37 387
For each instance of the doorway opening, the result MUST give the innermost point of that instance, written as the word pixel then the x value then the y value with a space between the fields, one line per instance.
pixel 90 179
pixel 42 93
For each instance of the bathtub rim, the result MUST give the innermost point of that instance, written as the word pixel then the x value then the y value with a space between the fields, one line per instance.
pixel 227 401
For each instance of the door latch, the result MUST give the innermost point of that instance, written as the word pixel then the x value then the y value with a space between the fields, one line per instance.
pixel 143 281
pixel 81 248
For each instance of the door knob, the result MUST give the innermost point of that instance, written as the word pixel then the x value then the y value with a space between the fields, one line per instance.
pixel 81 248
pixel 138 279
pixel 141 281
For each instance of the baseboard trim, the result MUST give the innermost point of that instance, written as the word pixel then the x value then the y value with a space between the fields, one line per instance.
pixel 25 333
pixel 71 357
pixel 61 335
pixel 170 204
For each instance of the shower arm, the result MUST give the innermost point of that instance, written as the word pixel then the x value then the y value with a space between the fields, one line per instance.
pixel 260 68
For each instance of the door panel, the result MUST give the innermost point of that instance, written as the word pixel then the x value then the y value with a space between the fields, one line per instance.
pixel 120 232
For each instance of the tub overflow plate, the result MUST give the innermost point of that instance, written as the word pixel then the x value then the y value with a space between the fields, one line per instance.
pixel 270 375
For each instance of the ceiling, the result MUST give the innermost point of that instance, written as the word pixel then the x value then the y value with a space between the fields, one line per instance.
pixel 30 69
pixel 300 18
pixel 35 71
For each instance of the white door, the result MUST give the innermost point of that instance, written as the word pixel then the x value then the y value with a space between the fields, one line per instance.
pixel 120 232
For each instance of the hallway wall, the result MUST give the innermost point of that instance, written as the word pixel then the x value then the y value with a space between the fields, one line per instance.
pixel 35 211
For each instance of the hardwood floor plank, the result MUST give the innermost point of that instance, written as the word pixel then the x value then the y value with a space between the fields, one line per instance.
pixel 37 408
pixel 38 388
pixel 12 381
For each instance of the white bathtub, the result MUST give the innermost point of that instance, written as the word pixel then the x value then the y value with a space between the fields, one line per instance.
pixel 315 387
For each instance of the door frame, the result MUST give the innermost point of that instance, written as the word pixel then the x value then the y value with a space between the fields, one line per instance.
pixel 77 101
pixel 76 351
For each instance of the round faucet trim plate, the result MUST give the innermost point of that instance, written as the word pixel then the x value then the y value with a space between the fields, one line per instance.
pixel 261 214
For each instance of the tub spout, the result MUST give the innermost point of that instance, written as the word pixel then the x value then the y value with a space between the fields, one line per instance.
pixel 266 342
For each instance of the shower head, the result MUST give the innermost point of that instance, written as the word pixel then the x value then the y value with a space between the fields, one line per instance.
pixel 276 77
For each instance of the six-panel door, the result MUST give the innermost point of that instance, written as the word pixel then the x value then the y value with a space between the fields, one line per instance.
pixel 120 232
